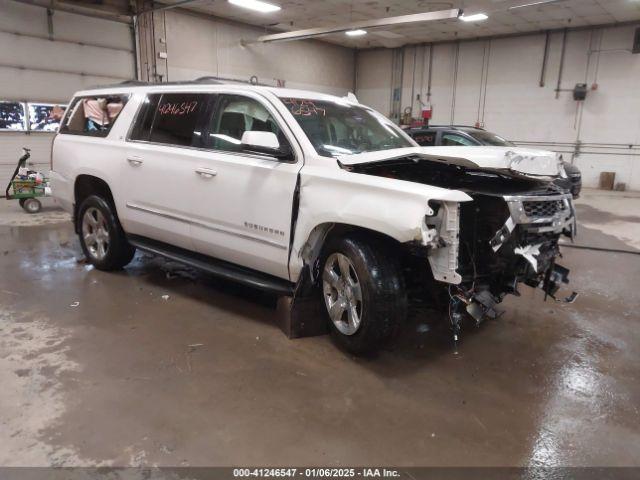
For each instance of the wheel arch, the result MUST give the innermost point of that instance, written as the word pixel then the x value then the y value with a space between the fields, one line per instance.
pixel 86 185
pixel 324 233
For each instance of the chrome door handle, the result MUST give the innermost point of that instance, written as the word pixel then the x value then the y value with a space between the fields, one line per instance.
pixel 134 161
pixel 206 172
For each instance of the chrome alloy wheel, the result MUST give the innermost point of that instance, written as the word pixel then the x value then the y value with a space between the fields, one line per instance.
pixel 95 233
pixel 342 293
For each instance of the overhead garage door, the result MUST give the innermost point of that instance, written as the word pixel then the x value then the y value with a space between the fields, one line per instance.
pixel 40 65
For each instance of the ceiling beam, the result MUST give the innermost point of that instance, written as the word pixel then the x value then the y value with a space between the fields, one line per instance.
pixel 372 23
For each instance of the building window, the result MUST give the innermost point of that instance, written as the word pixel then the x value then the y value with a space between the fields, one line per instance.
pixel 12 116
pixel 45 117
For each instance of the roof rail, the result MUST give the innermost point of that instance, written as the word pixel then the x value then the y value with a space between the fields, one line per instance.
pixel 210 79
pixel 253 80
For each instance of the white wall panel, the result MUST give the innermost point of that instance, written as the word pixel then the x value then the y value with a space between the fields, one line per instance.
pixel 50 87
pixel 29 52
pixel 442 83
pixel 198 46
pixel 374 80
pixel 29 20
pixel 468 84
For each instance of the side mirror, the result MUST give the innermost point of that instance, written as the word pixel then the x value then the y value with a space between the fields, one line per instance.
pixel 265 143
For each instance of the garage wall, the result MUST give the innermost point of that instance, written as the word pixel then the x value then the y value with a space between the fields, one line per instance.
pixel 198 46
pixel 496 83
pixel 82 52
pixel 373 70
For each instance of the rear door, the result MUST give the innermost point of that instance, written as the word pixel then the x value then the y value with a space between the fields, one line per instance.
pixel 159 166
pixel 242 202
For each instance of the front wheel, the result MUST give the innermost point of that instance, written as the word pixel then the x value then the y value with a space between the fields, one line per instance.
pixel 102 239
pixel 363 292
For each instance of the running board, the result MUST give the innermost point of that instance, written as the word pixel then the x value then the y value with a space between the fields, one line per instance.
pixel 219 268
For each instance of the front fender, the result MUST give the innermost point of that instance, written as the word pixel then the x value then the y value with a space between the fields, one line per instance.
pixel 395 208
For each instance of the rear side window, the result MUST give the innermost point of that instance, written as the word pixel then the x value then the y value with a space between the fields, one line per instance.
pixel 93 115
pixel 425 139
pixel 170 118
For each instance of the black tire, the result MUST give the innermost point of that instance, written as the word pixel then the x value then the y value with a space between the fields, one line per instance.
pixel 119 252
pixel 31 205
pixel 384 298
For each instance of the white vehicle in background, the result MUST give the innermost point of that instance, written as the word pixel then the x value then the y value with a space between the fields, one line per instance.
pixel 302 193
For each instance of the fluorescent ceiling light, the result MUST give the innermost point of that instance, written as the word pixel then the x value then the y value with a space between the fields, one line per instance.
pixel 471 18
pixel 257 5
pixel 355 33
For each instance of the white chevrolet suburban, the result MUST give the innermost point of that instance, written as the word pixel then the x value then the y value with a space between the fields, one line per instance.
pixel 304 194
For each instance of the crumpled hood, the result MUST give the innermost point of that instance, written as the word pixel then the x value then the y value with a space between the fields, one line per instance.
pixel 517 160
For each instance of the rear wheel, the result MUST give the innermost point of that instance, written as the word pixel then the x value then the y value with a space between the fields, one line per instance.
pixel 31 205
pixel 363 292
pixel 101 236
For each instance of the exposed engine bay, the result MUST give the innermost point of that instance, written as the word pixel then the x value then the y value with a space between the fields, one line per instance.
pixel 485 248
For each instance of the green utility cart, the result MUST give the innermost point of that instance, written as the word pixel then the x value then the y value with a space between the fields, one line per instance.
pixel 26 190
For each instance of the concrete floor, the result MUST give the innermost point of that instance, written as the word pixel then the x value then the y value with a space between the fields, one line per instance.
pixel 157 365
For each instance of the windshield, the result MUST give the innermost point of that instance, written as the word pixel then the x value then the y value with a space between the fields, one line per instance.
pixel 488 138
pixel 342 129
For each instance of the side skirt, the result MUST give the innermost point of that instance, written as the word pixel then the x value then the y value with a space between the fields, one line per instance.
pixel 219 268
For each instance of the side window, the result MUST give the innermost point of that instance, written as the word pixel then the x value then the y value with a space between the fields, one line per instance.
pixel 144 120
pixel 176 117
pixel 455 140
pixel 425 139
pixel 235 115
pixel 93 116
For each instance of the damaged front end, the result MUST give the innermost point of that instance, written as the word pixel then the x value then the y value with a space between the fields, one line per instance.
pixel 506 240
pixel 485 248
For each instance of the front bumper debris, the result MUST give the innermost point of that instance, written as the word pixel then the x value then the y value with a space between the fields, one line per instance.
pixel 537 214
pixel 523 250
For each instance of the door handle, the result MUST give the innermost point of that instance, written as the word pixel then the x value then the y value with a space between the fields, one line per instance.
pixel 206 172
pixel 134 161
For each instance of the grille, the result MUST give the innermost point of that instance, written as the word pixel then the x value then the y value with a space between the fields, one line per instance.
pixel 534 238
pixel 543 209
